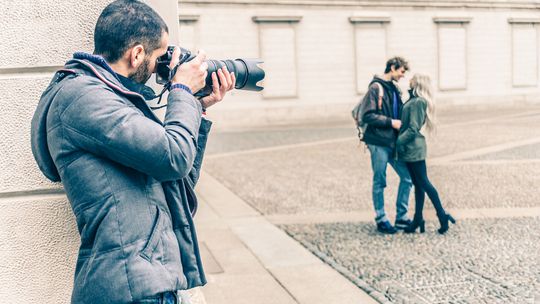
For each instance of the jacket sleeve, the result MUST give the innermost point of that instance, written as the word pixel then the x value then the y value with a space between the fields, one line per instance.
pixel 101 122
pixel 201 147
pixel 416 120
pixel 370 113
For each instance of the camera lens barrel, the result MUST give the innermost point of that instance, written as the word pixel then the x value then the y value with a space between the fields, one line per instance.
pixel 246 71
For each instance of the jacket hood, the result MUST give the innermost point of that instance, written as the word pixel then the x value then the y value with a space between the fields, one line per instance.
pixel 74 67
pixel 389 85
pixel 38 136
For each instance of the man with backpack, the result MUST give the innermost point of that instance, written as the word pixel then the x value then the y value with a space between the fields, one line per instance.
pixel 378 118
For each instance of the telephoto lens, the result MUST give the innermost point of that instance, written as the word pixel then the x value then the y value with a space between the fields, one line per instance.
pixel 246 71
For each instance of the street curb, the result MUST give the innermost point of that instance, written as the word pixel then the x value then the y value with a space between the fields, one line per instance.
pixel 282 256
pixel 379 297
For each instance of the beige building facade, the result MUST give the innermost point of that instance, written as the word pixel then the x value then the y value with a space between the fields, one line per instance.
pixel 38 234
pixel 319 57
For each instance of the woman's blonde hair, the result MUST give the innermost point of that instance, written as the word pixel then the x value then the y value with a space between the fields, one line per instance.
pixel 421 85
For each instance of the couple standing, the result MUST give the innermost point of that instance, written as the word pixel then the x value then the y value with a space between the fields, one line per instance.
pixel 393 137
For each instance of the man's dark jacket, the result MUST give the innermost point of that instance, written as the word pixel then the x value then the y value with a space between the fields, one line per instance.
pixel 379 129
pixel 129 178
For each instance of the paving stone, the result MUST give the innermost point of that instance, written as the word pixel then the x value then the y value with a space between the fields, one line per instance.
pixel 455 132
pixel 477 261
pixel 337 177
pixel 524 152
pixel 222 142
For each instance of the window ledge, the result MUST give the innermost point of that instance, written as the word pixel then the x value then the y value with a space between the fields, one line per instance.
pixel 452 20
pixel 276 19
pixel 523 20
pixel 369 19
pixel 188 18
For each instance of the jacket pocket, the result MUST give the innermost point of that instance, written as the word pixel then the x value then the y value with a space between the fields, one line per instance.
pixel 154 239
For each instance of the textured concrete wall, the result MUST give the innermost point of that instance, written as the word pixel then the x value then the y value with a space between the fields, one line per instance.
pixel 44 33
pixel 38 245
pixel 38 234
pixel 37 37
pixel 325 50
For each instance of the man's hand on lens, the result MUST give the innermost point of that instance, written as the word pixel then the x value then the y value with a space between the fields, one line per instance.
pixel 192 73
pixel 219 88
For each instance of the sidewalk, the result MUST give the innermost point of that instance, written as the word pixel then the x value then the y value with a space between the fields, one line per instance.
pixel 249 260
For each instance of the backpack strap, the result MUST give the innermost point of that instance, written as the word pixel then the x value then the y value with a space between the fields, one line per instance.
pixel 381 94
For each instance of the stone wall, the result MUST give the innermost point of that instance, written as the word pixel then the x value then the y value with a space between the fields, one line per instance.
pixel 38 234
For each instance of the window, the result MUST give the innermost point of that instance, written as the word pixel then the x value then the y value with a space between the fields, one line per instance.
pixel 370 48
pixel 188 31
pixel 277 41
pixel 524 52
pixel 452 53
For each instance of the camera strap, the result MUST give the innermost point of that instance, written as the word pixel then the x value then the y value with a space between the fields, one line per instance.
pixel 167 86
pixel 184 56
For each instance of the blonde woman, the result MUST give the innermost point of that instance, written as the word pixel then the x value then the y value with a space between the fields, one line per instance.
pixel 411 147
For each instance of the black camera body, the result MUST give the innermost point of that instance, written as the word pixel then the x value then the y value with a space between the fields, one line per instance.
pixel 246 71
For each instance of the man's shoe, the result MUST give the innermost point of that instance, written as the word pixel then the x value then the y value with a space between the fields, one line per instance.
pixel 386 228
pixel 402 224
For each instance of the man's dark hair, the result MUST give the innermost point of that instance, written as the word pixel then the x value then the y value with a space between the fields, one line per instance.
pixel 396 62
pixel 125 23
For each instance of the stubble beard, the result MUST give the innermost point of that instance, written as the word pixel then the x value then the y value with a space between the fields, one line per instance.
pixel 143 72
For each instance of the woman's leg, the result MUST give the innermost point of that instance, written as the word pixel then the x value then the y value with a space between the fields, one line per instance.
pixel 422 179
pixel 419 194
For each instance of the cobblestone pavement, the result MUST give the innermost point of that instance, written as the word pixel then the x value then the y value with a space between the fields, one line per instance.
pixel 478 261
pixel 260 137
pixel 321 169
pixel 524 152
pixel 337 176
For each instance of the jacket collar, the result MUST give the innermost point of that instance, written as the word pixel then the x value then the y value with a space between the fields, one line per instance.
pixel 106 75
pixel 131 85
pixel 388 84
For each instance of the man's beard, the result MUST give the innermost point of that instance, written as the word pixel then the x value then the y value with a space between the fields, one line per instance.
pixel 143 72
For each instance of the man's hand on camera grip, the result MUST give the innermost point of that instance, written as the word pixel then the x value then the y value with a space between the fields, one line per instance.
pixel 192 73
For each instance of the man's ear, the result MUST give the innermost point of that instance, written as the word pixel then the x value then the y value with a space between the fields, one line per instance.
pixel 136 57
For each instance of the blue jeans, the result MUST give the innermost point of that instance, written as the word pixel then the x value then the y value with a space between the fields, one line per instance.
pixel 380 157
pixel 169 297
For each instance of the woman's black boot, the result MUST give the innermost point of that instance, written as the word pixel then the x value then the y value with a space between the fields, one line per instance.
pixel 414 225
pixel 444 219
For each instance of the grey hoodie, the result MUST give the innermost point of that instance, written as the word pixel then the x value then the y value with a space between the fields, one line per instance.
pixel 129 179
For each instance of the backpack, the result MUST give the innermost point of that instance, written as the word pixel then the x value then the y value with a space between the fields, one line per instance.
pixel 358 111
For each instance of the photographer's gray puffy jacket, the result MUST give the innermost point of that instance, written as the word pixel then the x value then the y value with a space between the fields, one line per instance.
pixel 129 179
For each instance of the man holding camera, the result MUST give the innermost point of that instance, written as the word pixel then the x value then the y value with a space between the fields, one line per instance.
pixel 382 115
pixel 128 176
